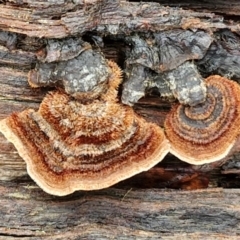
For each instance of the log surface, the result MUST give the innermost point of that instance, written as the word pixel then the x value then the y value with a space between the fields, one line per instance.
pixel 141 207
pixel 131 210
pixel 29 213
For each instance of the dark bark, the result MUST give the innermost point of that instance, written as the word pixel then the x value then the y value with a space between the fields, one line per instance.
pixel 58 20
pixel 229 8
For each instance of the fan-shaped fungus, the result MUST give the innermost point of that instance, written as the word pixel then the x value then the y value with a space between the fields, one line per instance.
pixel 207 132
pixel 71 144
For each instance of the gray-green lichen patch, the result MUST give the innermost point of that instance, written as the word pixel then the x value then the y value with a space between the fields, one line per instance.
pixel 63 50
pixel 162 60
pixel 186 84
pixel 183 83
pixel 84 73
pixel 88 72
pixel 223 56
pixel 8 39
pixel 134 88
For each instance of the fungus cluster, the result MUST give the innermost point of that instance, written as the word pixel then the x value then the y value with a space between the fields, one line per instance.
pixel 208 131
pixel 82 138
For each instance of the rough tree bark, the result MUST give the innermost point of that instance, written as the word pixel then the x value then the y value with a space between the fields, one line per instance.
pixel 134 209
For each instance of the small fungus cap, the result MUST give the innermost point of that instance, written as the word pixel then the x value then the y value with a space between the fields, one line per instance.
pixel 207 132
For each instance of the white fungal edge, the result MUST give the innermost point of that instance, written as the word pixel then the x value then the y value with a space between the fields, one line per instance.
pixel 200 161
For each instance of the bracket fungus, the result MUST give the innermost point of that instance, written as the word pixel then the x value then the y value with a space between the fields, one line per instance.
pixel 71 145
pixel 206 132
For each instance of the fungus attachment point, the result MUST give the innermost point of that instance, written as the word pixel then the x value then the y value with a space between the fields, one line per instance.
pixel 107 90
pixel 207 132
pixel 97 79
pixel 71 146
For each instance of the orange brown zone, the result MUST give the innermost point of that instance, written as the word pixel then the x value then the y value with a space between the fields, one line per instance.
pixel 215 137
pixel 106 126
pixel 116 75
pixel 215 123
pixel 32 139
pixel 201 131
pixel 141 145
pixel 50 162
pixel 192 149
pixel 204 130
pixel 114 81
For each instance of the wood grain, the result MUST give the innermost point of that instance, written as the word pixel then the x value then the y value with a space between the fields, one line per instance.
pixel 108 17
pixel 113 213
pixel 141 207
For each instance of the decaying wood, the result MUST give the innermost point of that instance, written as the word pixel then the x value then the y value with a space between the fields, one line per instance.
pixel 230 8
pixel 27 213
pixel 136 208
pixel 125 212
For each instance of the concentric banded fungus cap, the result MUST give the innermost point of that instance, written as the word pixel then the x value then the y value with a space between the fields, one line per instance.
pixel 72 146
pixel 207 132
